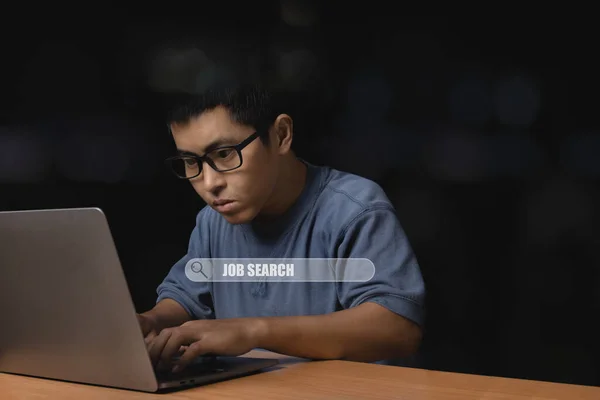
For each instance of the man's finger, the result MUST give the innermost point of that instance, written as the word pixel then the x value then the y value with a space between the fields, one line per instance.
pixel 193 351
pixel 157 345
pixel 149 337
pixel 173 344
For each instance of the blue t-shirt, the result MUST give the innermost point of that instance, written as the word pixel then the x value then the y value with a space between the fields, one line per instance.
pixel 338 215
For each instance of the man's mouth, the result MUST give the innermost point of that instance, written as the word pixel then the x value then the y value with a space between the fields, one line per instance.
pixel 223 205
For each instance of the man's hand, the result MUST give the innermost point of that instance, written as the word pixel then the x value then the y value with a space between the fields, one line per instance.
pixel 149 327
pixel 229 337
pixel 165 314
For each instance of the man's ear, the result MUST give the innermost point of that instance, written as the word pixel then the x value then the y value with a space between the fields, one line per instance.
pixel 284 132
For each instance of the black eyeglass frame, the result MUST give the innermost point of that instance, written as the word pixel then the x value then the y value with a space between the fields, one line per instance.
pixel 201 159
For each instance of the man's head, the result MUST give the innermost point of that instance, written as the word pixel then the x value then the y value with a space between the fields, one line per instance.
pixel 242 140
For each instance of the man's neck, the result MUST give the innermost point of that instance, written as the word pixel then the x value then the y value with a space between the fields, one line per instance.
pixel 290 184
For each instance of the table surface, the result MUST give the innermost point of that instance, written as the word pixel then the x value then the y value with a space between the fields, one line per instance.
pixel 297 379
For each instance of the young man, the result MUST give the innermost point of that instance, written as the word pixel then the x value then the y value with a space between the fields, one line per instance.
pixel 264 202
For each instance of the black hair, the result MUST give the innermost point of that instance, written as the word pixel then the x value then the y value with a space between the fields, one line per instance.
pixel 251 105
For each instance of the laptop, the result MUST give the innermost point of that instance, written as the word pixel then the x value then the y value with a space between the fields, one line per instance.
pixel 67 313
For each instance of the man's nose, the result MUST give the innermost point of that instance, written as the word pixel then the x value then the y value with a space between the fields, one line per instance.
pixel 214 181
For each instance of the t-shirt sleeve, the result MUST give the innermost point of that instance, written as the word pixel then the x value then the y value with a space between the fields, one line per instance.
pixel 397 284
pixel 193 295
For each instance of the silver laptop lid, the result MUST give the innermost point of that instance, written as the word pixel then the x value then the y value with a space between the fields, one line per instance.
pixel 66 309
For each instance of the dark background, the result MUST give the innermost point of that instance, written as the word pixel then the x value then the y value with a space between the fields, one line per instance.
pixel 481 127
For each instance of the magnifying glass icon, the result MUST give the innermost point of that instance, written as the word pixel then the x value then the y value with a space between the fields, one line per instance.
pixel 197 268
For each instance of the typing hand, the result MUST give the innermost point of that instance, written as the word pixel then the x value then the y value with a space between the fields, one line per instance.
pixel 148 326
pixel 230 337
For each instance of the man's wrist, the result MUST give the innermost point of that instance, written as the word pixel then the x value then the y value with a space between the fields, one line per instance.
pixel 152 319
pixel 259 332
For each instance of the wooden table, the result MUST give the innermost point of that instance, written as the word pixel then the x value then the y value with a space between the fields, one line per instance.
pixel 296 379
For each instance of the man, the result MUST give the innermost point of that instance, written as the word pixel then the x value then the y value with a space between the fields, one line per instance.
pixel 262 201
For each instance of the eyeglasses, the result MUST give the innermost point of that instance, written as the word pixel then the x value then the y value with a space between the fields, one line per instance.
pixel 221 159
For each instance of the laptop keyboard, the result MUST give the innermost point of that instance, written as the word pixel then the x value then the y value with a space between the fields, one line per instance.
pixel 201 366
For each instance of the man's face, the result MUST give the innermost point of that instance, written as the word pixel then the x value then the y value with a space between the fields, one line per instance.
pixel 238 195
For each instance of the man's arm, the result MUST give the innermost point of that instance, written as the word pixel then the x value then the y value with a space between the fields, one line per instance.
pixel 382 317
pixel 367 333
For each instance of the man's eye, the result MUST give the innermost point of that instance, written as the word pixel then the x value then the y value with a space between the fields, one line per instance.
pixel 224 153
pixel 190 162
